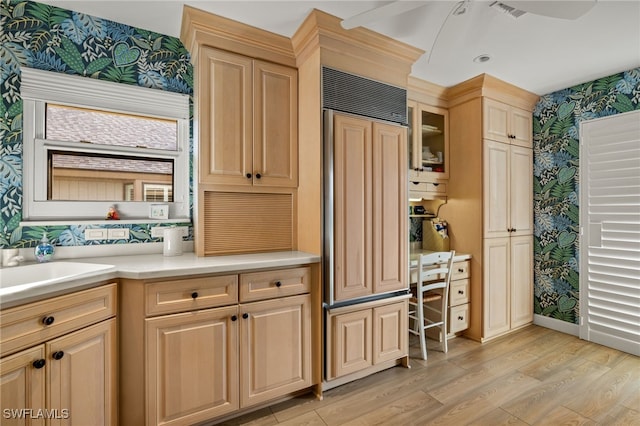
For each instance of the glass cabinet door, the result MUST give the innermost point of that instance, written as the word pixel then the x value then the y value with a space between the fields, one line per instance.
pixel 429 143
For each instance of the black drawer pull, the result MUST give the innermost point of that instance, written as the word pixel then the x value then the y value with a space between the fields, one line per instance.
pixel 39 363
pixel 194 295
pixel 57 355
pixel 278 284
pixel 460 318
pixel 48 320
pixel 460 270
pixel 460 292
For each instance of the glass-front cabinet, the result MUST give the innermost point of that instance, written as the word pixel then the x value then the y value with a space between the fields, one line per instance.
pixel 428 143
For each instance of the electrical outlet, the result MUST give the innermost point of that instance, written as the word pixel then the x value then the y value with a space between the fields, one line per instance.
pixel 95 234
pixel 118 234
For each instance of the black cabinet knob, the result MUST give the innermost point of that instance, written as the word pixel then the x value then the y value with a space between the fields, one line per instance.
pixel 248 175
pixel 460 318
pixel 234 317
pixel 460 270
pixel 194 295
pixel 278 284
pixel 245 315
pixel 57 355
pixel 39 363
pixel 460 292
pixel 436 184
pixel 258 175
pixel 48 320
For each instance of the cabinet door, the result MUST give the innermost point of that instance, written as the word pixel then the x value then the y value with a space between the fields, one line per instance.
pixel 496 282
pixel 496 121
pixel 521 190
pixel 521 280
pixel 192 368
pixel 390 336
pixel 428 143
pixel 81 368
pixel 390 221
pixel 496 189
pixel 22 386
pixel 224 101
pixel 352 208
pixel 275 348
pixel 275 148
pixel 350 343
pixel 521 124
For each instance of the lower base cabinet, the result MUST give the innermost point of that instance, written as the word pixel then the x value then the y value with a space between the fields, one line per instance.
pixel 213 361
pixel 70 379
pixel 363 336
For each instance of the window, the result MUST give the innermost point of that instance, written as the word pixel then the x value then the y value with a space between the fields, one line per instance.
pixel 89 144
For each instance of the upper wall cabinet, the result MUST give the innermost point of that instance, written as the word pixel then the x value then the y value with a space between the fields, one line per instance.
pixel 507 124
pixel 428 143
pixel 248 121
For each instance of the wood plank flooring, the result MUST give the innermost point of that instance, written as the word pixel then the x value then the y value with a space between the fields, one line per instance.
pixel 535 376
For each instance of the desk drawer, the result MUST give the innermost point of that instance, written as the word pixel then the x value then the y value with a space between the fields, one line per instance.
pixel 458 318
pixel 276 283
pixel 34 323
pixel 459 292
pixel 190 294
pixel 461 270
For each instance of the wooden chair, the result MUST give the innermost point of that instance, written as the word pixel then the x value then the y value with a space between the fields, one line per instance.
pixel 434 276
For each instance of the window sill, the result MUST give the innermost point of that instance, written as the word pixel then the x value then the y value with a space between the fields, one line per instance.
pixel 103 221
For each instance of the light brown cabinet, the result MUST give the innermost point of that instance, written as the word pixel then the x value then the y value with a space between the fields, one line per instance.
pixel 366 335
pixel 370 207
pixel 428 150
pixel 507 124
pixel 248 126
pixel 491 138
pixel 70 379
pixel 508 189
pixel 215 345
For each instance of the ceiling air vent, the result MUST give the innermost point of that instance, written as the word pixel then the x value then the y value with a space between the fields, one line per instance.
pixel 511 11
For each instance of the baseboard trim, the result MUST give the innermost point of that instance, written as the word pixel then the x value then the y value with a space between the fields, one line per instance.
pixel 556 324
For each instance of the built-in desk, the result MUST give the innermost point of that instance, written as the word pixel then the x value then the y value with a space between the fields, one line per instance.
pixel 459 290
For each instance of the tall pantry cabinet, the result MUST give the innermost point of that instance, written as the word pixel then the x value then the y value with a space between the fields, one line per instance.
pixel 490 206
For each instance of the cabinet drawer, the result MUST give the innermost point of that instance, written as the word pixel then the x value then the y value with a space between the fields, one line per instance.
pixel 189 294
pixel 438 188
pixel 26 325
pixel 277 283
pixel 459 292
pixel 460 270
pixel 458 318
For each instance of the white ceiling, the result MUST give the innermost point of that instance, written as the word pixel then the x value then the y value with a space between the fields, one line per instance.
pixel 537 53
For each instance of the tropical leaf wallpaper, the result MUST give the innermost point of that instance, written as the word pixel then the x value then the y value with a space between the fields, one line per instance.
pixel 556 125
pixel 45 37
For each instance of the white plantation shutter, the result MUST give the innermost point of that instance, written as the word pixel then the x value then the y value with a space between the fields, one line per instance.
pixel 610 223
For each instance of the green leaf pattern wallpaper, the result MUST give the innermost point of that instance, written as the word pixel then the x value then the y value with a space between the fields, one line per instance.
pixel 556 125
pixel 45 37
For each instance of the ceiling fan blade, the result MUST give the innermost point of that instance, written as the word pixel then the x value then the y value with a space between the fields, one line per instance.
pixel 390 9
pixel 572 9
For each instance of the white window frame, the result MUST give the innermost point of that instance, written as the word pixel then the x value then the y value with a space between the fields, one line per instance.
pixel 41 87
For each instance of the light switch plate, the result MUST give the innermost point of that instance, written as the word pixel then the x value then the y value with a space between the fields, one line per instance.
pixel 95 234
pixel 118 234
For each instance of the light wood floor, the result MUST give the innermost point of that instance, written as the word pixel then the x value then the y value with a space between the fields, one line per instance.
pixel 534 376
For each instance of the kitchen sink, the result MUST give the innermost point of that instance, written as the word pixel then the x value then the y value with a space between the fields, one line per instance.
pixel 20 278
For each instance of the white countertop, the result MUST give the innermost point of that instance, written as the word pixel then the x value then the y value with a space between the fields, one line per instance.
pixel 150 266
